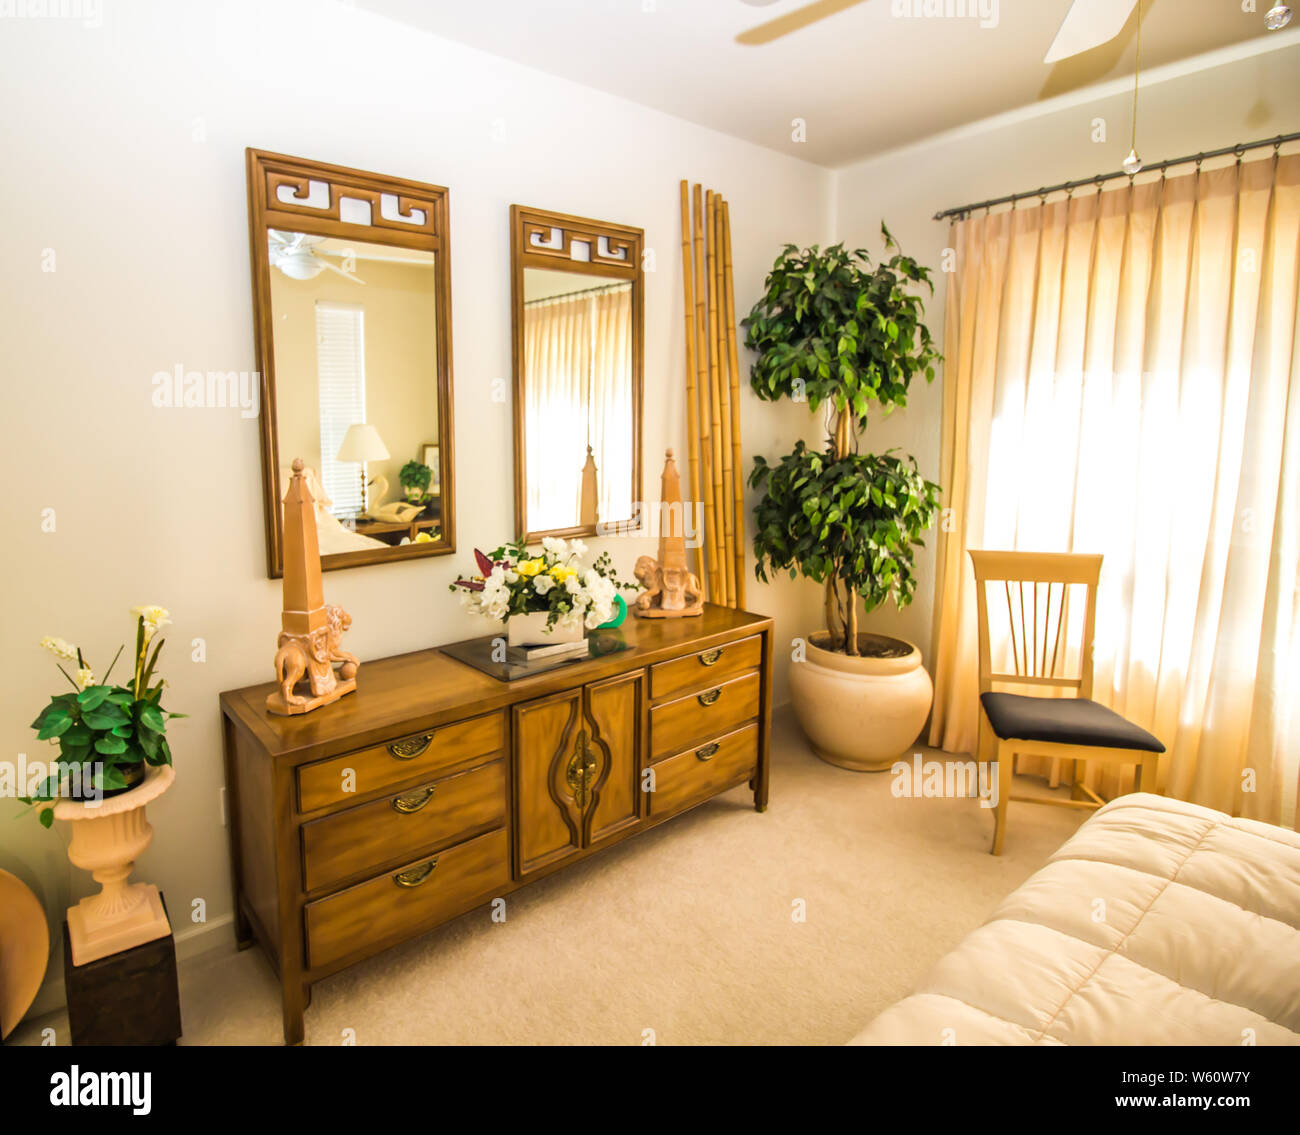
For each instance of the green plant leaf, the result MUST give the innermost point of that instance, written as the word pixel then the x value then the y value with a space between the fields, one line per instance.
pixel 92 696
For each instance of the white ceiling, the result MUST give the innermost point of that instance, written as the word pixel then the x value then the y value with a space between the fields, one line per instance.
pixel 863 80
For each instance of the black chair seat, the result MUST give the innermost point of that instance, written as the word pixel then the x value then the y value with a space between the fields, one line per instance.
pixel 1064 721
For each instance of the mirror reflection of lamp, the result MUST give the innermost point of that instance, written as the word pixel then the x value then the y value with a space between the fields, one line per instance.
pixel 362 443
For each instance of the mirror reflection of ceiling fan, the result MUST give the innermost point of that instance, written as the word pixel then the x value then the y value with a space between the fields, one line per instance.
pixel 1088 23
pixel 298 256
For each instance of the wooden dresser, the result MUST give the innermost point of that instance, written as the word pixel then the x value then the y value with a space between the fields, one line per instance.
pixel 436 788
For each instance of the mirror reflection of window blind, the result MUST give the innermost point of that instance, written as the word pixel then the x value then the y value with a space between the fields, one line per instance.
pixel 341 373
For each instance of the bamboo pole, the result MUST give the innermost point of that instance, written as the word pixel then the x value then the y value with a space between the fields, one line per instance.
pixel 717 544
pixel 733 368
pixel 692 409
pixel 728 513
pixel 702 390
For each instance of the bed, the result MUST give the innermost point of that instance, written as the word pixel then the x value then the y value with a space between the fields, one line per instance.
pixel 1158 923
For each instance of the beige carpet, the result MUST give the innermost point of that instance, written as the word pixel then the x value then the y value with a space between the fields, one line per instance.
pixel 684 934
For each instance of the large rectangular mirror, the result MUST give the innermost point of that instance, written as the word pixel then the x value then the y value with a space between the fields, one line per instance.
pixel 352 316
pixel 578 304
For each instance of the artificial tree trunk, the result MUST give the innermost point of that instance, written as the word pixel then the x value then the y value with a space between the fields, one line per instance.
pixel 841 444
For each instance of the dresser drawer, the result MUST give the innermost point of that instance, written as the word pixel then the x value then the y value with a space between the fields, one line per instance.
pixel 401 760
pixel 705 669
pixel 697 718
pixel 400 826
pixel 399 903
pixel 698 773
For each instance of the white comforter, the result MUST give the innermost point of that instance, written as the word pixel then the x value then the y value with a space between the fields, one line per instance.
pixel 1159 922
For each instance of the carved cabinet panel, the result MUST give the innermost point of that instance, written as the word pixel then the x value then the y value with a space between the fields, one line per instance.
pixel 578 758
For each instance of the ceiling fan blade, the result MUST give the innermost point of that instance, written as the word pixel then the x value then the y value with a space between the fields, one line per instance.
pixel 1088 24
pixel 794 21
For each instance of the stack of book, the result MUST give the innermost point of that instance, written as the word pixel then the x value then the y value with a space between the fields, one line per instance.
pixel 555 651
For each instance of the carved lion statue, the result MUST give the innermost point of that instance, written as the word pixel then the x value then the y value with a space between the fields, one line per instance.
pixel 313 656
pixel 670 590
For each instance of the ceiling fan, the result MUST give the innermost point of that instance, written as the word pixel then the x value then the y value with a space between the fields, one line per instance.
pixel 1088 23
pixel 296 255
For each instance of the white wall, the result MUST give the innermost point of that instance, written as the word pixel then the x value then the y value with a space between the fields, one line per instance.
pixel 1240 100
pixel 125 156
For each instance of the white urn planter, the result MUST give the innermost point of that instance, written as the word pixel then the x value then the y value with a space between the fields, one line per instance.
pixel 531 630
pixel 107 837
pixel 861 712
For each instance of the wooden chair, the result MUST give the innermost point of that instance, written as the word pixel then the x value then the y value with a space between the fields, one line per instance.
pixel 1066 728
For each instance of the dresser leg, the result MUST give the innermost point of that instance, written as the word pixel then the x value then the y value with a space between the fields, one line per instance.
pixel 294 997
pixel 243 928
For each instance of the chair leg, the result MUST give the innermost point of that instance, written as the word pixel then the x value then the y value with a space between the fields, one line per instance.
pixel 1146 773
pixel 1005 760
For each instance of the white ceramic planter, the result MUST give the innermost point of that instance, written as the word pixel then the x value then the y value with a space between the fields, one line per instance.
pixel 531 630
pixel 107 837
pixel 862 712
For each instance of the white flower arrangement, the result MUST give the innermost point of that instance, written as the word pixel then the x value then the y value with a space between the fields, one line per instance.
pixel 514 582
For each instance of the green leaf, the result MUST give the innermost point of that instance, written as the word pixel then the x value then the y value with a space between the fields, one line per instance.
pixel 92 696
pixel 110 744
pixel 150 716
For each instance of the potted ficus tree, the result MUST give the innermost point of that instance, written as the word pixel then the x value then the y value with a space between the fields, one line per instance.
pixel 840 333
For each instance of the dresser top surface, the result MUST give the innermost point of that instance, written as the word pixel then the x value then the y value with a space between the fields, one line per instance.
pixel 428 687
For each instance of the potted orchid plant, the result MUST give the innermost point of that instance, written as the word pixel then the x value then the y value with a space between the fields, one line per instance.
pixel 107 735
pixel 544 598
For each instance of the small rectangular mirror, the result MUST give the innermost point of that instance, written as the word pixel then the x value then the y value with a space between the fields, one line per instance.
pixel 351 283
pixel 578 304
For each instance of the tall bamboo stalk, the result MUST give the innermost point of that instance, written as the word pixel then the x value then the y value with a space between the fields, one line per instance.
pixel 715 399
pixel 702 390
pixel 733 370
pixel 724 409
pixel 692 409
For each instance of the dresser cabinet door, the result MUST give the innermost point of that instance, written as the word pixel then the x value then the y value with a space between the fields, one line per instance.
pixel 615 715
pixel 549 800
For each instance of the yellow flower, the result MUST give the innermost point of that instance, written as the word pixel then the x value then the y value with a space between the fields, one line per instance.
pixel 85 677
pixel 530 568
pixel 561 572
pixel 154 617
pixel 60 648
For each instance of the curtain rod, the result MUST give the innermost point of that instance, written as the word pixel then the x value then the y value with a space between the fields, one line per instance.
pixel 1101 178
pixel 583 292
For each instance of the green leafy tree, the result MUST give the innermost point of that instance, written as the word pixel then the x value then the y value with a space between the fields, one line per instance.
pixel 840 333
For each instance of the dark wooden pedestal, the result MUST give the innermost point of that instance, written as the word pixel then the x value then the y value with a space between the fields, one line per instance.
pixel 128 998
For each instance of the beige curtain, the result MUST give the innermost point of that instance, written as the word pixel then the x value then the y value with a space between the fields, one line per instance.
pixel 578 391
pixel 611 398
pixel 1123 376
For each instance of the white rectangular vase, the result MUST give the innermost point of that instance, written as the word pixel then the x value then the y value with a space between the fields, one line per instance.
pixel 531 630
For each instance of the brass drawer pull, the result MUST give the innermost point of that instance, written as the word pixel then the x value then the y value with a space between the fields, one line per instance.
pixel 410 802
pixel 707 752
pixel 410 747
pixel 710 696
pixel 709 657
pixel 414 876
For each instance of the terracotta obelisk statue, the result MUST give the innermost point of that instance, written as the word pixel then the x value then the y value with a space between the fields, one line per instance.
pixel 671 589
pixel 311 632
pixel 587 509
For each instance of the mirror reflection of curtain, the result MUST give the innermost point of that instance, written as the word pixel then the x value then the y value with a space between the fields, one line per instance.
pixel 611 397
pixel 574 346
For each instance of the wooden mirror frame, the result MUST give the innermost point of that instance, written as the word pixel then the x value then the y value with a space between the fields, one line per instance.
pixel 621 261
pixel 267 172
